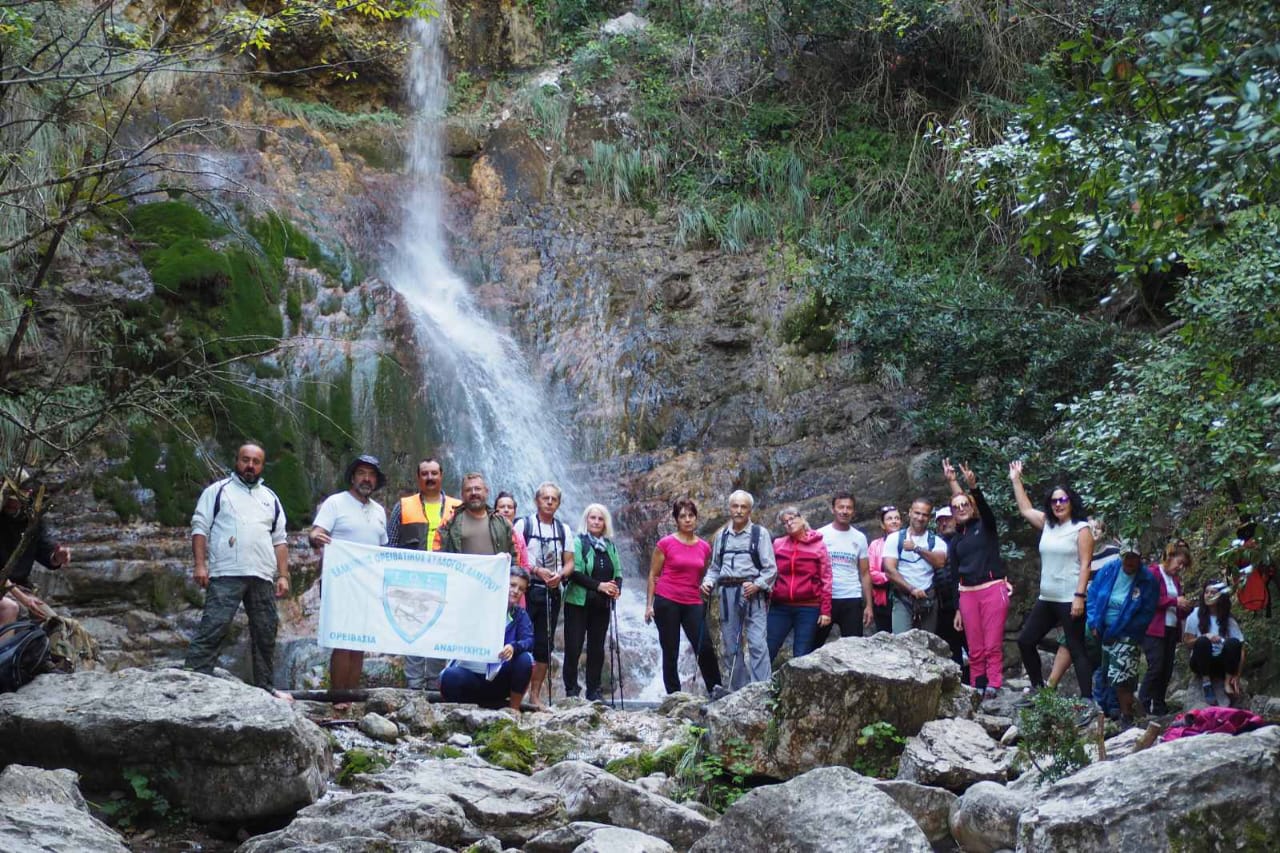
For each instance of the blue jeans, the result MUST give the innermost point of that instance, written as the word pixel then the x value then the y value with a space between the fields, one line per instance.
pixel 785 618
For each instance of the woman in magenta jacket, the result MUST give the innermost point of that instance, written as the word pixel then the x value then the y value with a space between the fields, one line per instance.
pixel 1161 641
pixel 801 600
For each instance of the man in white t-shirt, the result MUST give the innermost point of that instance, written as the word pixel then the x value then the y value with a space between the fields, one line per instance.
pixel 352 516
pixel 911 556
pixel 850 572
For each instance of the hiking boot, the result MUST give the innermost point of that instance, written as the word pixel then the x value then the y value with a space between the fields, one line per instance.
pixel 1126 722
pixel 594 696
pixel 719 692
pixel 1210 695
pixel 1024 701
pixel 989 693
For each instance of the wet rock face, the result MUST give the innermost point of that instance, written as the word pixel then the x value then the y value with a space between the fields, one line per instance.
pixel 221 750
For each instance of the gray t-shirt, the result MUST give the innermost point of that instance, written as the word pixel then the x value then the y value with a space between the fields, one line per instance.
pixel 475 534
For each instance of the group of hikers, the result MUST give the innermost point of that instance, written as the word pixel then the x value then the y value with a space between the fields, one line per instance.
pixel 941 571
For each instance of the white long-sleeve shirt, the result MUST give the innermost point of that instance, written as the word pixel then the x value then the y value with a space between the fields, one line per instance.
pixel 240 538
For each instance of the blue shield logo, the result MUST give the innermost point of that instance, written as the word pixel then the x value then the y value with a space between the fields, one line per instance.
pixel 413 601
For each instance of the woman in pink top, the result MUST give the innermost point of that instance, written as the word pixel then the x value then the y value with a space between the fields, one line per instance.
pixel 1161 642
pixel 675 600
pixel 891 522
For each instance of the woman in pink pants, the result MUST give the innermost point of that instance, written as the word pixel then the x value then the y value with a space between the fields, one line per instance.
pixel 984 593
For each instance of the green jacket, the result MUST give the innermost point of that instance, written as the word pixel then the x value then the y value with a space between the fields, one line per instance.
pixel 575 591
pixel 499 532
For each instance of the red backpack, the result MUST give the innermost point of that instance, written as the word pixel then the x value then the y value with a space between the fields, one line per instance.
pixel 1255 595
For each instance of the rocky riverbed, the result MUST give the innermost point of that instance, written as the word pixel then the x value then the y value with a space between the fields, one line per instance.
pixel 777 761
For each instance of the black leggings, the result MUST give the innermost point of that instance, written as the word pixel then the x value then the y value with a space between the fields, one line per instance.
pixel 670 618
pixel 1041 620
pixel 846 613
pixel 589 622
pixel 1205 665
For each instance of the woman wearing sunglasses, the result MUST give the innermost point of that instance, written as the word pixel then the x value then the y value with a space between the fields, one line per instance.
pixel 984 593
pixel 1066 551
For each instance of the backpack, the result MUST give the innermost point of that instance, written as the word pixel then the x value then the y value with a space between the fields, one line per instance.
pixel 217 505
pixel 531 524
pixel 24 654
pixel 1255 595
pixel 754 547
pixel 902 538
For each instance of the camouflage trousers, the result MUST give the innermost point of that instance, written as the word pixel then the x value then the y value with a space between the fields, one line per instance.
pixel 222 599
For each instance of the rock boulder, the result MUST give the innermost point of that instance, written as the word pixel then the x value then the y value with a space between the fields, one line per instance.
pixel 593 794
pixel 832 808
pixel 42 810
pixel 985 818
pixel 954 754
pixel 222 750
pixel 1215 790
pixel 824 699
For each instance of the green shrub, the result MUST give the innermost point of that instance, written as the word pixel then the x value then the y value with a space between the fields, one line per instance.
pixel 327 117
pixel 358 761
pixel 879 748
pixel 1051 741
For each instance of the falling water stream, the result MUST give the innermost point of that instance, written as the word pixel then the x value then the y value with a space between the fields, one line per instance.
pixel 494 416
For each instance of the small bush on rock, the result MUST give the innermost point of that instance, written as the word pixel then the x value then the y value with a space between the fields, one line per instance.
pixel 358 761
pixel 1050 740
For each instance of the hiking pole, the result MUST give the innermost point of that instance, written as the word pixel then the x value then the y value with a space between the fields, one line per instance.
pixel 617 652
pixel 613 673
pixel 744 607
pixel 550 642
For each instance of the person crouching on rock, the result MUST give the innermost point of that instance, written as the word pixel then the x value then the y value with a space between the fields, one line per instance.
pixel 1122 600
pixel 1216 643
pixel 802 594
pixel 506 679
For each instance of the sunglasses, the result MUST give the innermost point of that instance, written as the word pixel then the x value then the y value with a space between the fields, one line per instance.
pixel 1059 501
pixel 961 505
pixel 888 508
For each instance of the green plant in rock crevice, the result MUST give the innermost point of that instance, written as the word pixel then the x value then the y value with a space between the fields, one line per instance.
pixel 1051 741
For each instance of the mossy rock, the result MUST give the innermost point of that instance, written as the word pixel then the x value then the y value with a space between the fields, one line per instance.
pixel 508 746
pixel 358 761
pixel 644 763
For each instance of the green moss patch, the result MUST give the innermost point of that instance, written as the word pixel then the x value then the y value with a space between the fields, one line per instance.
pixel 507 745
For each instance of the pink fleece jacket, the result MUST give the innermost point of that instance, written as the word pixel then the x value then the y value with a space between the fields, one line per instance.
pixel 804 572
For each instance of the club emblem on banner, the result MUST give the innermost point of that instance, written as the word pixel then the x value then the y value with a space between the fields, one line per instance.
pixel 413 601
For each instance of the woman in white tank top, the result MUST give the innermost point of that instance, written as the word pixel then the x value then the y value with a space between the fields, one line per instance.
pixel 1066 549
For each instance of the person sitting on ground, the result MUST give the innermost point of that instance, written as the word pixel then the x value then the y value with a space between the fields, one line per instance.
pixel 505 680
pixel 1161 642
pixel 676 570
pixel 881 605
pixel 589 596
pixel 1122 600
pixel 802 593
pixel 15 515
pixel 1216 642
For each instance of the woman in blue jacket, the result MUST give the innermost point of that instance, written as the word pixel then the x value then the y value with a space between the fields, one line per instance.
pixel 503 680
pixel 1121 602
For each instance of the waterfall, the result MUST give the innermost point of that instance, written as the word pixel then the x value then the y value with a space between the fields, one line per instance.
pixel 479 387
pixel 480 390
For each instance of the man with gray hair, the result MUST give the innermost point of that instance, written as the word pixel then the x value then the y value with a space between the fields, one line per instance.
pixel 743 569
pixel 550 544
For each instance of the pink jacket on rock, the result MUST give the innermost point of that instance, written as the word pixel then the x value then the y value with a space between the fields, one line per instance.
pixel 804 572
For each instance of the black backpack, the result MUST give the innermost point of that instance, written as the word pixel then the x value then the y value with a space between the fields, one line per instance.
pixel 24 654
pixel 753 548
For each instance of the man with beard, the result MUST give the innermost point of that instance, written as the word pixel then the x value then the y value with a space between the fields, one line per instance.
pixel 477 529
pixel 238 539
pixel 352 516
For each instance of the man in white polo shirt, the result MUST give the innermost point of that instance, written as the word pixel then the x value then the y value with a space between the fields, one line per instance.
pixel 911 556
pixel 238 539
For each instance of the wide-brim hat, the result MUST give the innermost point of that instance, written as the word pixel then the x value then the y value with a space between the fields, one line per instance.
pixel 1129 546
pixel 372 462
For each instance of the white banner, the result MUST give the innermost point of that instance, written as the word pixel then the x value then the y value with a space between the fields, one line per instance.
pixel 424 603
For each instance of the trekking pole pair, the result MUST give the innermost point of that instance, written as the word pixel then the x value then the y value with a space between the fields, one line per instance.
pixel 616 686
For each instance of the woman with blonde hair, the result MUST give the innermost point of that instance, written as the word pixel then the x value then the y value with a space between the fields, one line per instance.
pixel 592 588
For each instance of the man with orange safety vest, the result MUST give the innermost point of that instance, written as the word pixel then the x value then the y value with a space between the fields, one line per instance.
pixel 415 523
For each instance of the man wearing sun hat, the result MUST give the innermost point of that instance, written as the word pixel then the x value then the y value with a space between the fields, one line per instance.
pixel 353 516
